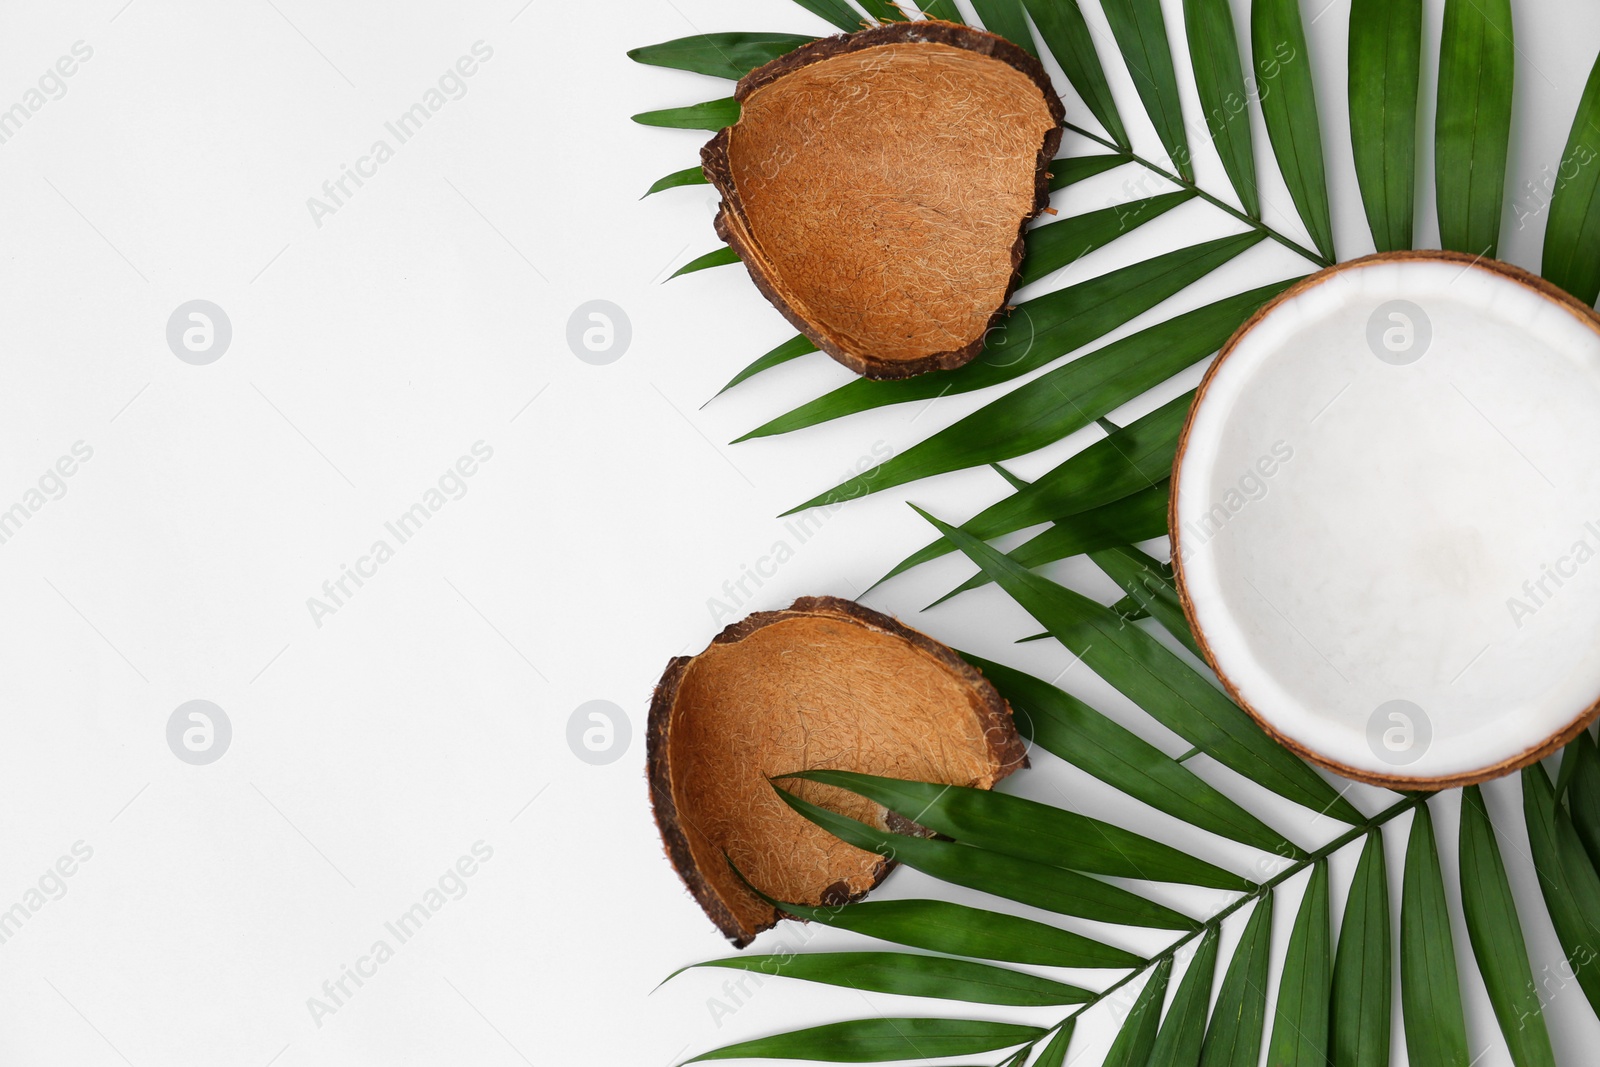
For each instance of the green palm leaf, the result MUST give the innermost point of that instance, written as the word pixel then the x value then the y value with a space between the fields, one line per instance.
pixel 1567 878
pixel 1472 125
pixel 1070 171
pixel 1141 34
pixel 719 257
pixel 837 12
pixel 1363 992
pixel 1572 232
pixel 883 11
pixel 1219 79
pixel 1029 830
pixel 1134 458
pixel 795 347
pixel 1137 1037
pixel 1049 248
pixel 1385 68
pixel 1066 34
pixel 908 975
pixel 1038 332
pixel 1157 680
pixel 720 55
pixel 678 178
pixel 1036 884
pixel 1289 106
pixel 1055 1052
pixel 1061 401
pixel 1333 1004
pixel 1584 794
pixel 710 115
pixel 1430 991
pixel 1006 18
pixel 1066 727
pixel 1184 1029
pixel 959 930
pixel 942 9
pixel 1300 1022
pixel 880 1040
pixel 1496 936
pixel 1235 1035
pixel 1152 587
pixel 1136 517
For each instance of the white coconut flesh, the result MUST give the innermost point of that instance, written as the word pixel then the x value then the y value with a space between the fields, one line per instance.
pixel 1388 519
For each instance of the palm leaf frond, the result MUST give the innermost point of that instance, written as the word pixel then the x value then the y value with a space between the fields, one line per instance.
pixel 911 975
pixel 961 930
pixel 1572 232
pixel 1006 18
pixel 1219 80
pixel 720 55
pixel 1430 988
pixel 708 115
pixel 1037 333
pixel 1289 106
pixel 1363 992
pixel 1385 70
pixel 1300 1024
pixel 1027 829
pixel 1495 931
pixel 1024 881
pixel 717 257
pixel 1334 1001
pixel 880 1040
pixel 1141 33
pixel 1066 34
pixel 1158 681
pixel 677 179
pixel 1472 131
pixel 1061 401
pixel 1567 878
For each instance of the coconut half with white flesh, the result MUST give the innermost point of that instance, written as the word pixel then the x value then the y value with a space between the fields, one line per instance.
pixel 1386 518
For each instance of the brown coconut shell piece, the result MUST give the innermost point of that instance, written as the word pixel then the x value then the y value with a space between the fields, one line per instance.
pixel 825 683
pixel 877 185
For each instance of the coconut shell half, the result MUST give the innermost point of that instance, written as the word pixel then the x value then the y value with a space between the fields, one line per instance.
pixel 877 184
pixel 826 683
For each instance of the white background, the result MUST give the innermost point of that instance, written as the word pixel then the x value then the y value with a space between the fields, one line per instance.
pixel 426 314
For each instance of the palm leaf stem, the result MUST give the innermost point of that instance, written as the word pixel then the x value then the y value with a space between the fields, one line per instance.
pixel 1355 833
pixel 1254 223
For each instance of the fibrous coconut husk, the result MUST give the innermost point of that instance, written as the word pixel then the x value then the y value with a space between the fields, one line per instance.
pixel 825 683
pixel 877 185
